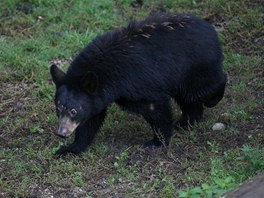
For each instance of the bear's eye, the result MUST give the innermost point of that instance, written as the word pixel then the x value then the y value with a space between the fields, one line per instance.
pixel 73 112
pixel 60 108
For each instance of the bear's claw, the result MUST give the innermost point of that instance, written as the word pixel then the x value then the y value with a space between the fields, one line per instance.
pixel 72 149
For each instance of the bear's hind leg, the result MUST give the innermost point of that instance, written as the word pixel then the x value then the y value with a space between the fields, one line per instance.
pixel 191 112
pixel 159 117
pixel 217 95
pixel 157 114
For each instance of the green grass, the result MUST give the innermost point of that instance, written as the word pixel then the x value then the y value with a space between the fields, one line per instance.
pixel 222 179
pixel 199 161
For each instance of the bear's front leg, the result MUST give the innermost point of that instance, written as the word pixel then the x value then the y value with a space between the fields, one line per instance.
pixel 83 136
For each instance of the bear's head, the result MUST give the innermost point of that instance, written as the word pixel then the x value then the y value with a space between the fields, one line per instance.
pixel 73 99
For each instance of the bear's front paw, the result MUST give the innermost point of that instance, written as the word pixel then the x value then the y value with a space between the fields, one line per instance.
pixel 73 149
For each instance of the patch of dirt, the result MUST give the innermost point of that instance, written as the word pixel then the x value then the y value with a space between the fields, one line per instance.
pixel 13 98
pixel 15 101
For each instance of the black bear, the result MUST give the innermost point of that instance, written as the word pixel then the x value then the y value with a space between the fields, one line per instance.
pixel 141 67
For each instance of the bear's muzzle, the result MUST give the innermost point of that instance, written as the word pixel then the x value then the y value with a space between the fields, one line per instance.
pixel 66 127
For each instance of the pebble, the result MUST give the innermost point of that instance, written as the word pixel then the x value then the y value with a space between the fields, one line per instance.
pixel 40 18
pixel 218 126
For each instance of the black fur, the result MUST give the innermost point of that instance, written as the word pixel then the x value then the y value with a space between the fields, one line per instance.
pixel 142 66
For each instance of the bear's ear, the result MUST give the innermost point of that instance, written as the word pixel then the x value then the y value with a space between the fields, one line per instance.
pixel 57 74
pixel 90 82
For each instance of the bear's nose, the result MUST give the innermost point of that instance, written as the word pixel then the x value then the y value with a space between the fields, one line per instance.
pixel 62 133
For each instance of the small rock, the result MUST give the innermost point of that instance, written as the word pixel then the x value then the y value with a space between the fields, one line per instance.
pixel 40 18
pixel 218 126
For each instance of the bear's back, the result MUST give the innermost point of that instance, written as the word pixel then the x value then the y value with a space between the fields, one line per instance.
pixel 157 35
pixel 160 54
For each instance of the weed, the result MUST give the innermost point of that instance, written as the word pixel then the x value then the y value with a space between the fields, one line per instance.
pixel 160 137
pixel 218 4
pixel 254 159
pixel 56 148
pixel 78 179
pixel 36 129
pixel 168 190
pixel 122 168
pixel 219 187
pixel 223 180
